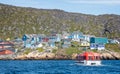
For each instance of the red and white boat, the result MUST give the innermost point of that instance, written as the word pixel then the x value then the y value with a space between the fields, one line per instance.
pixel 89 58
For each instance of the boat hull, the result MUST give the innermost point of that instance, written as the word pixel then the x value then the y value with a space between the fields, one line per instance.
pixel 90 62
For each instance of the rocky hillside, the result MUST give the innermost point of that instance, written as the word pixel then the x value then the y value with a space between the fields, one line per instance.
pixel 16 21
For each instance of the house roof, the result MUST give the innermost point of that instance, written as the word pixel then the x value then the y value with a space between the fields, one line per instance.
pixel 98 40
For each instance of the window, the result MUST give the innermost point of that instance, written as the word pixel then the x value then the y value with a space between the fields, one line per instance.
pixel 90 58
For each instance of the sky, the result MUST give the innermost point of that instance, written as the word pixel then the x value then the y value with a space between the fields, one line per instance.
pixel 94 7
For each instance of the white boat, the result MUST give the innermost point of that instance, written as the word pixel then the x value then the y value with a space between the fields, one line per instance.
pixel 89 58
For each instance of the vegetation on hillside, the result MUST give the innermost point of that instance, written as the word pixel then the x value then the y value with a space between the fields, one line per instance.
pixel 16 21
pixel 72 50
pixel 27 51
pixel 40 49
pixel 113 47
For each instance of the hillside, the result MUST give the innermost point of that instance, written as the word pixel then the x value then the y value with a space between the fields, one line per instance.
pixel 16 21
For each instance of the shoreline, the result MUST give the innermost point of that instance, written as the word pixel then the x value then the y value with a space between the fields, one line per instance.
pixel 105 55
pixel 31 58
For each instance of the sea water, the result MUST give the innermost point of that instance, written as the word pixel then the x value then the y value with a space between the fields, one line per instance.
pixel 57 67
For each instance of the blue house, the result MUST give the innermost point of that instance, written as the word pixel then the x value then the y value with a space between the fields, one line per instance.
pixel 18 40
pixel 30 40
pixel 66 43
pixel 76 36
pixel 65 35
pixel 59 37
pixel 98 43
pixel 55 38
pixel 52 38
pixel 41 37
pixel 1 40
pixel 51 44
pixel 113 41
pixel 87 37
pixel 98 40
pixel 97 46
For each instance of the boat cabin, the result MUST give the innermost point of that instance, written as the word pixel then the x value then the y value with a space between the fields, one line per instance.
pixel 89 58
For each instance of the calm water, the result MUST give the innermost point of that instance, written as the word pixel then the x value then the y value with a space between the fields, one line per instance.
pixel 57 67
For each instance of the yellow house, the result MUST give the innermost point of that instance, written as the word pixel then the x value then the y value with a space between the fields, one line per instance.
pixel 8 39
pixel 85 44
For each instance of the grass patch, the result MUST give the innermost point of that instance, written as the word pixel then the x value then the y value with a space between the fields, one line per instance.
pixel 40 49
pixel 54 50
pixel 71 50
pixel 27 51
pixel 94 50
pixel 75 44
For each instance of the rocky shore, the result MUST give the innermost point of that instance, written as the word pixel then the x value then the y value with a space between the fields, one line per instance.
pixel 35 55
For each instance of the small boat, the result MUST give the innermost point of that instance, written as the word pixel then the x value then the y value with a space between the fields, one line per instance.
pixel 89 58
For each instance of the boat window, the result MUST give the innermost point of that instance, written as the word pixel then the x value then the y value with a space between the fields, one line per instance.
pixel 90 58
pixel 84 57
pixel 97 58
pixel 81 57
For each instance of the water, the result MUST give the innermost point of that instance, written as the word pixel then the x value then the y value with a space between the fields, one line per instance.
pixel 57 67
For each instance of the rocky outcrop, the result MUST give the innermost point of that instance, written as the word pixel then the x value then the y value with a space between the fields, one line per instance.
pixel 21 57
pixel 74 55
pixel 110 55
pixel 105 55
pixel 36 55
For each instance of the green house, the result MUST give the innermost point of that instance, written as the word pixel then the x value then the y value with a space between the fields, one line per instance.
pixel 98 40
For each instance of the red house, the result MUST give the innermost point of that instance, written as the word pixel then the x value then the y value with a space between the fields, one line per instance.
pixel 5 52
pixel 6 45
pixel 45 39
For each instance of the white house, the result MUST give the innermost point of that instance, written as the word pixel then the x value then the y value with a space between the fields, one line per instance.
pixel 87 37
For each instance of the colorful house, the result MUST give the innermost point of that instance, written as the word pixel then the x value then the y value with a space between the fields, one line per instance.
pixel 98 40
pixel 55 38
pixel 97 46
pixel 1 40
pixel 113 41
pixel 6 52
pixel 52 38
pixel 41 37
pixel 87 37
pixel 6 44
pixel 65 35
pixel 30 40
pixel 59 37
pixel 85 43
pixel 17 40
pixel 76 36
pixel 6 47
pixel 51 44
pixel 66 43
pixel 98 43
